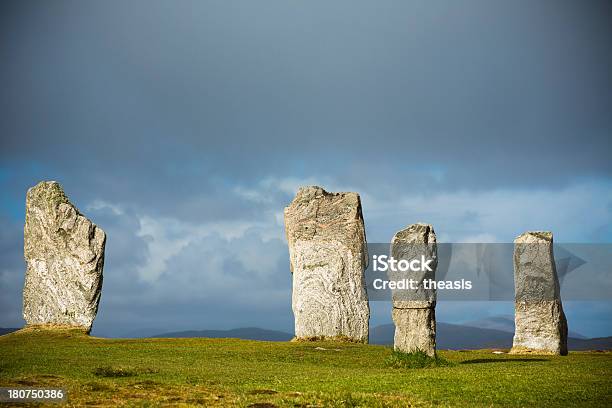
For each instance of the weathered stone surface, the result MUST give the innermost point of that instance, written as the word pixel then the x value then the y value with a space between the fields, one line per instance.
pixel 540 324
pixel 414 310
pixel 64 253
pixel 328 256
pixel 415 329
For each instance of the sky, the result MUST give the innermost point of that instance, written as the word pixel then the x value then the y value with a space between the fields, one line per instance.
pixel 184 128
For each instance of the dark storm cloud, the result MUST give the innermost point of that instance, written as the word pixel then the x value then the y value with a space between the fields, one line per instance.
pixel 183 129
pixel 11 272
pixel 150 89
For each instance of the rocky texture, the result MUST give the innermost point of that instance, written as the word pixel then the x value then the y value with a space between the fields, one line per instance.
pixel 64 253
pixel 328 256
pixel 540 324
pixel 414 312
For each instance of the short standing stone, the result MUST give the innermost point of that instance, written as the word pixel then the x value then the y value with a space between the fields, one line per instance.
pixel 414 310
pixel 540 324
pixel 328 256
pixel 64 254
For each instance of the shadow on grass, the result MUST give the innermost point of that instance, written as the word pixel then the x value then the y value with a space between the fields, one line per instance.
pixel 501 360
pixel 262 392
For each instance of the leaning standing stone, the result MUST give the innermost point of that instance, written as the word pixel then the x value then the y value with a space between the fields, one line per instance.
pixel 328 256
pixel 540 324
pixel 414 311
pixel 64 254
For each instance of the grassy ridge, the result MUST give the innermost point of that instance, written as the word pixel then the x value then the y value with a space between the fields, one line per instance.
pixel 229 372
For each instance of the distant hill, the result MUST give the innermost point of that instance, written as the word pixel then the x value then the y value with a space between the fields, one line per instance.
pixel 459 337
pixel 140 333
pixel 597 343
pixel 6 330
pixel 451 336
pixel 247 333
pixel 448 336
pixel 505 323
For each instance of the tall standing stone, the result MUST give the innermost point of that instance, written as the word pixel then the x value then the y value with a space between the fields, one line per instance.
pixel 540 324
pixel 414 311
pixel 64 253
pixel 328 256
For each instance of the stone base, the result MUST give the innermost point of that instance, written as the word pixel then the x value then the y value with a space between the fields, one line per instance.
pixel 415 329
pixel 341 339
pixel 540 328
pixel 542 352
pixel 54 328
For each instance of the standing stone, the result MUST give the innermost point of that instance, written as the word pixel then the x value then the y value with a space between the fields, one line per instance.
pixel 64 253
pixel 540 324
pixel 328 256
pixel 414 311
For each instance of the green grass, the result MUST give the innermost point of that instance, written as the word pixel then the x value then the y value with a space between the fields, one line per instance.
pixel 417 359
pixel 229 372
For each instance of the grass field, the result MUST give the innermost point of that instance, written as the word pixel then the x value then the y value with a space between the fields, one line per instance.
pixel 229 372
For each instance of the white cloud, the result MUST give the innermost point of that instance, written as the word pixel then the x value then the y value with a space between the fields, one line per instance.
pixel 166 237
pixel 573 213
pixel 97 205
pixel 189 263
